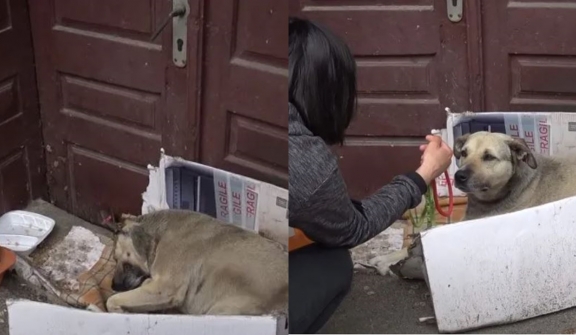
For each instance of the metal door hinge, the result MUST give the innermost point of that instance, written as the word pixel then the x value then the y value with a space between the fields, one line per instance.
pixel 454 10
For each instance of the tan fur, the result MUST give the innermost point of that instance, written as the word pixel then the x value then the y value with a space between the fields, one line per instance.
pixel 513 179
pixel 199 265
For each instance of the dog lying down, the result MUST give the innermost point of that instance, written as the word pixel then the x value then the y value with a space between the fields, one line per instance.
pixel 500 175
pixel 195 264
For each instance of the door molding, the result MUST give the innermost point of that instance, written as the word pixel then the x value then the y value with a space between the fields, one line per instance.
pixel 473 15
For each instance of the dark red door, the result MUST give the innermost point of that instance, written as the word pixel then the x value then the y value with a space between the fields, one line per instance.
pixel 530 55
pixel 111 98
pixel 21 155
pixel 245 91
pixel 412 63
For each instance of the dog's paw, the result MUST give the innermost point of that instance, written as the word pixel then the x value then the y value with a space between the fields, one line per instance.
pixel 113 307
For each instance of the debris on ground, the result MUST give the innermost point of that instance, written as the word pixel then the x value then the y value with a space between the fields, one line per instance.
pixel 74 265
pixel 76 254
pixel 390 240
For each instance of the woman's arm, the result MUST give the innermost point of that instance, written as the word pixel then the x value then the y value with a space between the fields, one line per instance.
pixel 330 217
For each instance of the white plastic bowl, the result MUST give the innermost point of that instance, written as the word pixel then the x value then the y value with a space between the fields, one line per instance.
pixel 23 231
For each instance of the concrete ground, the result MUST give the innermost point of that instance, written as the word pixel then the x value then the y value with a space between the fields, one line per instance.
pixel 387 305
pixel 13 287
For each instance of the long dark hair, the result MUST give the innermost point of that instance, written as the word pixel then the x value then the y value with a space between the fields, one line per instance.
pixel 322 79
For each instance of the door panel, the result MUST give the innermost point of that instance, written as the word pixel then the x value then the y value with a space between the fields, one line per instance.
pixel 412 63
pixel 529 53
pixel 111 99
pixel 245 120
pixel 21 155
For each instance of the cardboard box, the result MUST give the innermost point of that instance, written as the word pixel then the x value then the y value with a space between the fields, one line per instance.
pixel 546 133
pixel 177 183
pixel 509 267
pixel 229 197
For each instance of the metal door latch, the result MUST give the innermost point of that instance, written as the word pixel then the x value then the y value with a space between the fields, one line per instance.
pixel 179 18
pixel 454 8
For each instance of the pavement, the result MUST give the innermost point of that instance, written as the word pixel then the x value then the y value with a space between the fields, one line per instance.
pixel 388 305
pixel 12 287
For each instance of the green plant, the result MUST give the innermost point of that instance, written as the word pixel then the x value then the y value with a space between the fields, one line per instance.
pixel 428 214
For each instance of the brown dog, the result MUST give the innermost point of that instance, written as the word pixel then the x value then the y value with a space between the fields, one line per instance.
pixel 193 263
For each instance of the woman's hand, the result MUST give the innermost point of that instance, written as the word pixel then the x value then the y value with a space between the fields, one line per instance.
pixel 436 158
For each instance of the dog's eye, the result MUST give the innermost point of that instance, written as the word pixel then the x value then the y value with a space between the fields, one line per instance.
pixel 488 157
pixel 463 153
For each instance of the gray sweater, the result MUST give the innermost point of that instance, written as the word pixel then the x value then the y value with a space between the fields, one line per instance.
pixel 319 203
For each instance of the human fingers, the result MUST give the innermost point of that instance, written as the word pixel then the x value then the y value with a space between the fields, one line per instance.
pixel 423 147
pixel 437 140
pixel 446 147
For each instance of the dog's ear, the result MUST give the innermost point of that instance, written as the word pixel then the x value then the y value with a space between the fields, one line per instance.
pixel 522 152
pixel 458 144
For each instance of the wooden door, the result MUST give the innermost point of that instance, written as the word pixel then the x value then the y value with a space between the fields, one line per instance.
pixel 245 88
pixel 412 63
pixel 530 55
pixel 111 98
pixel 21 155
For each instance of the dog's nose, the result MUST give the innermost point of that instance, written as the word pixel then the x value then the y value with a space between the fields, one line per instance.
pixel 117 286
pixel 461 176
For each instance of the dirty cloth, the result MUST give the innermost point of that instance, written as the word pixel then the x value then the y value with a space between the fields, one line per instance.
pixel 95 285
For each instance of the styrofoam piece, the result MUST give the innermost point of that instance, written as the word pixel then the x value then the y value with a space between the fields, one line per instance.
pixel 57 320
pixel 23 231
pixel 503 269
pixel 18 243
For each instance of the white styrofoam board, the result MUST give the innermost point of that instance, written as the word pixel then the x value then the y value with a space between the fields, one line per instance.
pixel 30 317
pixel 504 268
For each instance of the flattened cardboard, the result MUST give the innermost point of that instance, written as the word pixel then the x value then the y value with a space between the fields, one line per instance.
pixel 235 199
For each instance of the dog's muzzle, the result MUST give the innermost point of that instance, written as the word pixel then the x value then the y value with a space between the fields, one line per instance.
pixel 461 178
pixel 128 277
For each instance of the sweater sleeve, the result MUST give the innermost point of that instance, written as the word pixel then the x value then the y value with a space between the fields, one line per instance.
pixel 330 217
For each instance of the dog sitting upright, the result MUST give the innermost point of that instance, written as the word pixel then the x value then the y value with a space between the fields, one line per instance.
pixel 193 263
pixel 500 174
